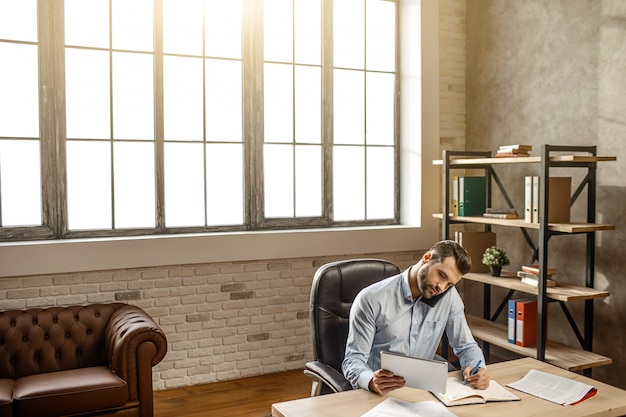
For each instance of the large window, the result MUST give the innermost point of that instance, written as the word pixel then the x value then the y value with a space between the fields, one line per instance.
pixel 165 116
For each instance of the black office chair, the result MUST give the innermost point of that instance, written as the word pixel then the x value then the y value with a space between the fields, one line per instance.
pixel 335 285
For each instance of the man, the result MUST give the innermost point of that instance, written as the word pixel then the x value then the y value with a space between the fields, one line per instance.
pixel 407 314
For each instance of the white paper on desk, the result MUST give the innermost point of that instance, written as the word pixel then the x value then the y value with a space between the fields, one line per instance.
pixel 393 407
pixel 553 388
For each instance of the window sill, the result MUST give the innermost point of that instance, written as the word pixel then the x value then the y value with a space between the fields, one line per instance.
pixel 67 256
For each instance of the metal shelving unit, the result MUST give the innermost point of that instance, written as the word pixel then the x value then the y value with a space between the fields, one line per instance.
pixel 551 157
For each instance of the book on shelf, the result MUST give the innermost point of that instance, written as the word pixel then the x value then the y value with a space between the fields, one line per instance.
pixel 505 154
pixel 501 215
pixel 475 244
pixel 457 393
pixel 534 269
pixel 554 388
pixel 472 195
pixel 532 279
pixel 500 210
pixel 516 146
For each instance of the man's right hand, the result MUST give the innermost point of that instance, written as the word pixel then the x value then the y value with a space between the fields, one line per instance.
pixel 384 382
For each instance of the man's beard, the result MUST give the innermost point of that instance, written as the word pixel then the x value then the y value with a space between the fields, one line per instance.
pixel 422 283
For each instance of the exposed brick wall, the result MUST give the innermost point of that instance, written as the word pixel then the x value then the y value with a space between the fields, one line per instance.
pixel 223 320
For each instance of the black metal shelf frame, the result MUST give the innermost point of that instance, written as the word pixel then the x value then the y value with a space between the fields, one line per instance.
pixel 540 251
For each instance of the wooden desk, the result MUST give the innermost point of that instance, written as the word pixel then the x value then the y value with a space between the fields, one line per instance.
pixel 609 401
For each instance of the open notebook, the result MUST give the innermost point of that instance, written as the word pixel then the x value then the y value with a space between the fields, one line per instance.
pixel 459 394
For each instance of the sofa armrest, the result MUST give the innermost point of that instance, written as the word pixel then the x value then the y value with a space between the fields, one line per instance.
pixel 134 344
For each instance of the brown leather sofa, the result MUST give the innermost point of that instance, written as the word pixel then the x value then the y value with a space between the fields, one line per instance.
pixel 93 360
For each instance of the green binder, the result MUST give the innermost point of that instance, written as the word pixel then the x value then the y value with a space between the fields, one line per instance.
pixel 472 195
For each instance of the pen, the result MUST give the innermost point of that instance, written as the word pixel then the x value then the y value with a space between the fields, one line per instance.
pixel 473 372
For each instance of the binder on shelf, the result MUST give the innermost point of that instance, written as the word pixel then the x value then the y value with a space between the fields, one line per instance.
pixel 535 199
pixel 558 196
pixel 475 244
pixel 511 320
pixel 455 196
pixel 528 199
pixel 526 322
pixel 472 195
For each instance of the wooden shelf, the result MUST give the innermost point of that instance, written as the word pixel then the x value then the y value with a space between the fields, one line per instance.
pixel 563 356
pixel 527 160
pixel 562 292
pixel 555 227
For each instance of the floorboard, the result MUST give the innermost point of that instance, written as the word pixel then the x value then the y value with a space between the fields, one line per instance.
pixel 245 397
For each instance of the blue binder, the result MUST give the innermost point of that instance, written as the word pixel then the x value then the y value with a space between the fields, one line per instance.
pixel 511 321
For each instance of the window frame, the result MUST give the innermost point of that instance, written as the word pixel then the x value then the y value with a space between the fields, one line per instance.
pixel 51 55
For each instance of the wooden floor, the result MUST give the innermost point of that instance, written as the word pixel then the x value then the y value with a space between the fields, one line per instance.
pixel 245 397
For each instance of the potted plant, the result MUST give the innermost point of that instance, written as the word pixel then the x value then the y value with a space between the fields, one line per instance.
pixel 496 258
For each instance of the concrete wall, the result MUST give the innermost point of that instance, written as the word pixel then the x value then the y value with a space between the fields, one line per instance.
pixel 553 72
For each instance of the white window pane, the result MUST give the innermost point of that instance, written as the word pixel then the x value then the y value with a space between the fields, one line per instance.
pixel 89 185
pixel 225 197
pixel 308 31
pixel 348 33
pixel 308 105
pixel 20 182
pixel 380 108
pixel 278 30
pixel 224 105
pixel 380 183
pixel 18 20
pixel 135 193
pixel 348 183
pixel 278 103
pixel 182 81
pixel 133 96
pixel 87 98
pixel 132 25
pixel 349 107
pixel 223 28
pixel 381 35
pixel 87 23
pixel 309 181
pixel 278 176
pixel 19 91
pixel 182 27
pixel 184 184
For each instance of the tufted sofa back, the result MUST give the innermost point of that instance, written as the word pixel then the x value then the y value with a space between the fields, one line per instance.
pixel 36 341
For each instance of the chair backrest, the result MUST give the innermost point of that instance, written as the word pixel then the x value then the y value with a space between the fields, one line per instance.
pixel 335 285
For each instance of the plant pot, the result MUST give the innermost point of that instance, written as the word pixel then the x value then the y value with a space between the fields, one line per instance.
pixel 495 271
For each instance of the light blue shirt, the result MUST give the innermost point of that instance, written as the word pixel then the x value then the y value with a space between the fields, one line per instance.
pixel 385 317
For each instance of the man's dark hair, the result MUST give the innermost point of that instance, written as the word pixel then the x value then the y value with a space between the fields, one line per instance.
pixel 446 248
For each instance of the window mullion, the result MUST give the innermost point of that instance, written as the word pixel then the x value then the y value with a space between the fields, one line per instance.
pixel 52 115
pixel 327 107
pixel 253 110
pixel 159 130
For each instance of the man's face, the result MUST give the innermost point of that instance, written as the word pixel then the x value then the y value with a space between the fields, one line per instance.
pixel 434 278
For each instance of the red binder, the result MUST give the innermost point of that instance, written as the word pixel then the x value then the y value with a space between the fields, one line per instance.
pixel 526 322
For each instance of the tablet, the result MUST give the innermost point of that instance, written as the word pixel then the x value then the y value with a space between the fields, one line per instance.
pixel 426 374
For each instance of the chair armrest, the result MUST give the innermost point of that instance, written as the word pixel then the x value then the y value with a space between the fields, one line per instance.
pixel 134 344
pixel 327 375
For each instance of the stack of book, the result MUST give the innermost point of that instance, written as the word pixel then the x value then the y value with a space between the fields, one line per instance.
pixel 513 151
pixel 530 275
pixel 501 213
